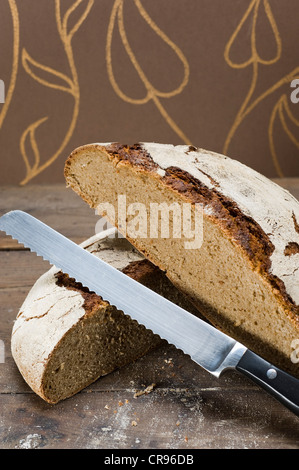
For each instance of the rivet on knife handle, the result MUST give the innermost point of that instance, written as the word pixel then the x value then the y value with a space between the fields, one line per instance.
pixel 284 387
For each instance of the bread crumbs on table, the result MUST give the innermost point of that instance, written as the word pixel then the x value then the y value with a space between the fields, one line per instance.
pixel 146 391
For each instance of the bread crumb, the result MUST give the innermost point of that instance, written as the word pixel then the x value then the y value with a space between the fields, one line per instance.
pixel 168 361
pixel 120 403
pixel 161 172
pixel 32 441
pixel 146 391
pixel 107 407
pixel 134 423
pixel 177 423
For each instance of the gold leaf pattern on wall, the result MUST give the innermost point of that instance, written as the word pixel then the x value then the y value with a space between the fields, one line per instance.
pixel 255 60
pixel 56 80
pixel 152 93
pixel 30 64
pixel 67 32
pixel 255 57
pixel 30 131
pixel 15 59
pixel 253 50
pixel 282 110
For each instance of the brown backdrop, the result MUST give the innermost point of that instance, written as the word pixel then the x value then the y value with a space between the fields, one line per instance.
pixel 213 73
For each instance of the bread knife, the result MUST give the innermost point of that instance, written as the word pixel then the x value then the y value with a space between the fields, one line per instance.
pixel 207 346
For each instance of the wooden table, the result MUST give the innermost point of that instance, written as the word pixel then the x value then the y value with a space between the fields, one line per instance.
pixel 187 409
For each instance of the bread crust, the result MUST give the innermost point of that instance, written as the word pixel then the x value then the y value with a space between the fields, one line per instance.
pixel 55 305
pixel 241 228
pixel 258 217
pixel 57 308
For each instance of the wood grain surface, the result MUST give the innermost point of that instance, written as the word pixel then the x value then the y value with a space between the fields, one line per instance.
pixel 187 408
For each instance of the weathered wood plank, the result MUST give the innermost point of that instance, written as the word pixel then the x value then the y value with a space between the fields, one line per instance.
pixel 20 268
pixel 55 205
pixel 188 408
pixel 161 420
pixel 165 366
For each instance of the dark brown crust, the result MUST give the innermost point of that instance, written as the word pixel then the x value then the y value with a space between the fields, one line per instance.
pixel 292 248
pixel 138 270
pixel 134 154
pixel 244 230
pixel 241 228
pixel 296 224
pixel 91 299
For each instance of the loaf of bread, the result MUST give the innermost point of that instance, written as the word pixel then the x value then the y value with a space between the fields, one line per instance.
pixel 244 277
pixel 66 337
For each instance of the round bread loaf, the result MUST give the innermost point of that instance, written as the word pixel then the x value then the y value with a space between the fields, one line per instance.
pixel 66 337
pixel 244 277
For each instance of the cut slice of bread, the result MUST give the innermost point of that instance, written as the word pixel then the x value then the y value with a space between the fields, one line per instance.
pixel 66 337
pixel 245 276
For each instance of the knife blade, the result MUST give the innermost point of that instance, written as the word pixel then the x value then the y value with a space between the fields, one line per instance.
pixel 213 350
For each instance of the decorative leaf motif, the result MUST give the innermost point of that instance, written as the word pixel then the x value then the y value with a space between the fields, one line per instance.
pixel 50 77
pixel 69 32
pixel 152 93
pixel 255 60
pixel 33 67
pixel 31 132
pixel 254 10
pixel 281 110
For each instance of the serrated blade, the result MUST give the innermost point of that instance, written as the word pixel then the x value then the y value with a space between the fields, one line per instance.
pixel 210 348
